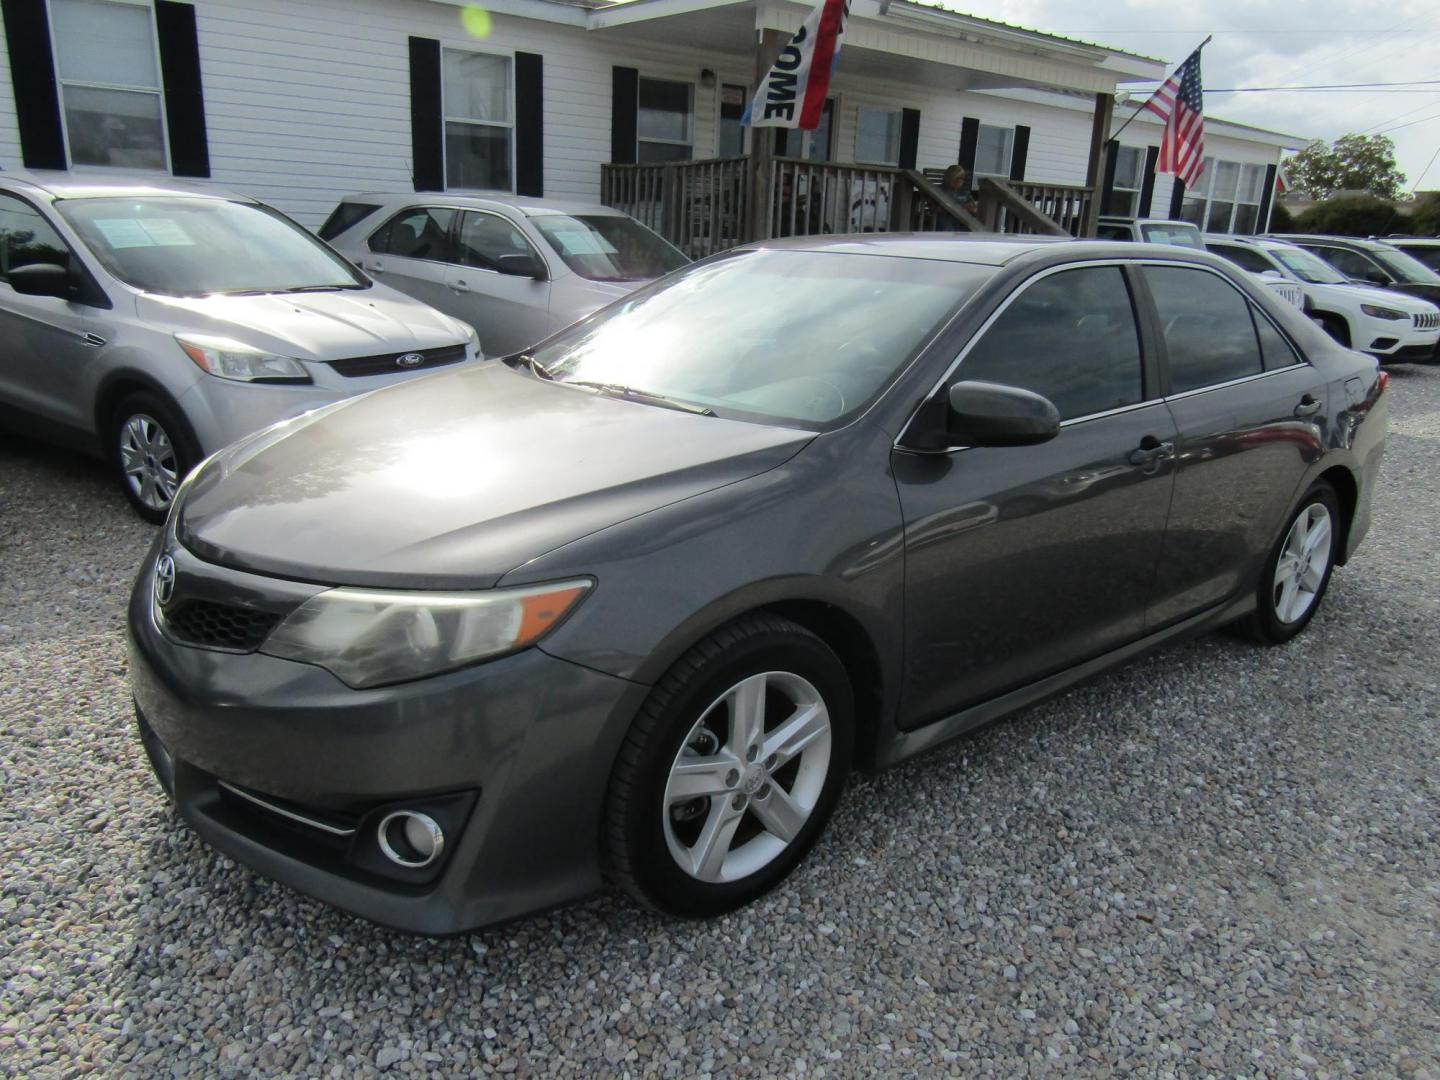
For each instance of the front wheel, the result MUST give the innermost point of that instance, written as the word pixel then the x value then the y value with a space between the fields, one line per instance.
pixel 731 770
pixel 152 449
pixel 1296 575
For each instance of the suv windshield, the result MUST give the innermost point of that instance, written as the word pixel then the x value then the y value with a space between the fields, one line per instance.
pixel 1179 234
pixel 608 247
pixel 802 337
pixel 181 246
pixel 1405 267
pixel 1307 267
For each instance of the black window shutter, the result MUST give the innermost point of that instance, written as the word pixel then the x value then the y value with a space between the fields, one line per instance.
pixel 909 137
pixel 1107 186
pixel 529 124
pixel 32 71
pixel 1019 152
pixel 427 122
pixel 1267 196
pixel 624 114
pixel 782 142
pixel 1177 198
pixel 969 139
pixel 184 92
pixel 1147 182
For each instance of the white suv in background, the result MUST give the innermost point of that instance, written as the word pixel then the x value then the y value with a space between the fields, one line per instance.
pixel 1390 326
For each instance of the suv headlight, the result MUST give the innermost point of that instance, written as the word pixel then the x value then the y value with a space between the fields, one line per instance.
pixel 369 638
pixel 229 359
pixel 1376 312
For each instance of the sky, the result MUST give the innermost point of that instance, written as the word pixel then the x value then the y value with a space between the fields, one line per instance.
pixel 1269 43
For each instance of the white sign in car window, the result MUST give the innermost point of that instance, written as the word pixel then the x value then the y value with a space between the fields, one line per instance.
pixel 143 232
pixel 579 242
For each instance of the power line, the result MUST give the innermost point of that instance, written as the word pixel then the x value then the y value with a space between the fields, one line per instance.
pixel 1399 116
pixel 1409 123
pixel 1425 170
pixel 1328 86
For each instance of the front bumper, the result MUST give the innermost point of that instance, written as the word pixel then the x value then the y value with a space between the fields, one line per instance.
pixel 515 755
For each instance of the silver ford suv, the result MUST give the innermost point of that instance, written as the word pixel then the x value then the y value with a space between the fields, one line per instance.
pixel 155 323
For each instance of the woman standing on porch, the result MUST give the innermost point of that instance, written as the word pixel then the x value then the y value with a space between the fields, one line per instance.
pixel 956 184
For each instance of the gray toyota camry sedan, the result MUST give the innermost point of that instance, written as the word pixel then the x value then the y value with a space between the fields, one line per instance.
pixel 631 605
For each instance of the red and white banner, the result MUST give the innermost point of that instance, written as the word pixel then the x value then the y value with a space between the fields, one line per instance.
pixel 792 94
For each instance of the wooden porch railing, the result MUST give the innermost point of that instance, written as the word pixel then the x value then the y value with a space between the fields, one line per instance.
pixel 703 206
pixel 1017 206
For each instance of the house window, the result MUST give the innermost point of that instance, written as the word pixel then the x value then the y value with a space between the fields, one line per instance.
pixel 1226 198
pixel 666 121
pixel 1124 198
pixel 479 121
pixel 109 71
pixel 993 149
pixel 816 145
pixel 877 136
pixel 732 109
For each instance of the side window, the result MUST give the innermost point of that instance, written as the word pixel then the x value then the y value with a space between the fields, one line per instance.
pixel 1209 336
pixel 422 232
pixel 1349 263
pixel 1070 336
pixel 1243 258
pixel 26 237
pixel 1275 351
pixel 345 216
pixel 1112 232
pixel 485 237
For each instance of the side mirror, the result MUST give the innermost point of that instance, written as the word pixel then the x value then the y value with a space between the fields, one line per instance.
pixel 42 279
pixel 1272 275
pixel 521 266
pixel 989 414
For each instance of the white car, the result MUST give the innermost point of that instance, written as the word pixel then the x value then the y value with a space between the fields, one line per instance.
pixel 1389 325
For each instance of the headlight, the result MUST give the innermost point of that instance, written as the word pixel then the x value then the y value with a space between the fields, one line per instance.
pixel 1382 312
pixel 474 338
pixel 235 360
pixel 367 638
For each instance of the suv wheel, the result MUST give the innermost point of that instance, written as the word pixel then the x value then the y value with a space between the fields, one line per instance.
pixel 731 769
pixel 152 450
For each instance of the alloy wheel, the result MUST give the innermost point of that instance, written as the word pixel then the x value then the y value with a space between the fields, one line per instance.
pixel 1300 569
pixel 147 458
pixel 748 776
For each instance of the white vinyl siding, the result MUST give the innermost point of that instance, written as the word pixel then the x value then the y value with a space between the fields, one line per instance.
pixel 10 158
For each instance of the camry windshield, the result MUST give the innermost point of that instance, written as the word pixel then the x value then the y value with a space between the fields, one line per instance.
pixel 608 247
pixel 1406 267
pixel 1307 267
pixel 181 246
pixel 801 337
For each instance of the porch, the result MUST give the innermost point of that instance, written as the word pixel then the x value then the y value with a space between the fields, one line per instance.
pixel 703 207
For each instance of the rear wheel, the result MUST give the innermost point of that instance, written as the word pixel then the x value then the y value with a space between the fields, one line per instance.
pixel 731 770
pixel 152 449
pixel 1298 571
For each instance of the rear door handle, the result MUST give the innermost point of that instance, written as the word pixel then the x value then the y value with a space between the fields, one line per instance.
pixel 373 268
pixel 1151 451
pixel 1307 406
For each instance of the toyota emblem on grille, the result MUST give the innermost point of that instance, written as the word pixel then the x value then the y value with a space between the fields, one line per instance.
pixel 164 579
pixel 410 359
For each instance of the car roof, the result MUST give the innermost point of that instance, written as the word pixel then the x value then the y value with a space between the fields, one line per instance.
pixel 987 249
pixel 530 207
pixel 1115 219
pixel 1246 238
pixel 60 185
pixel 1338 241
pixel 1401 241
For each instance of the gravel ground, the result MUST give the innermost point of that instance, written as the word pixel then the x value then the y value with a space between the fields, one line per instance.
pixel 1217 861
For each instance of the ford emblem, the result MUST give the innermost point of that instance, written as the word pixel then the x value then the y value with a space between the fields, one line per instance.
pixel 410 359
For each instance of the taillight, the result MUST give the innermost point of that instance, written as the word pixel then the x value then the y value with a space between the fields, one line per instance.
pixel 1382 380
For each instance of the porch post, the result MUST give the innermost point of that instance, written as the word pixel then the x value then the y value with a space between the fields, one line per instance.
pixel 762 144
pixel 1095 169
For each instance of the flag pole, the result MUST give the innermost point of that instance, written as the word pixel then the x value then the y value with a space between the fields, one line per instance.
pixel 1142 105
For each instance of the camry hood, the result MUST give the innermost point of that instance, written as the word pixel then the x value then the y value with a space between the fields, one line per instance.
pixel 320 326
pixel 451 481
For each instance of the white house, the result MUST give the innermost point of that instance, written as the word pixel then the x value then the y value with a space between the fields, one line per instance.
pixel 299 103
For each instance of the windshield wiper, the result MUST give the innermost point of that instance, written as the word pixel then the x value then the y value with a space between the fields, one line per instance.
pixel 629 393
pixel 538 369
pixel 321 288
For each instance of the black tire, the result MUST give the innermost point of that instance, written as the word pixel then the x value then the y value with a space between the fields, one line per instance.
pixel 1336 327
pixel 154 413
pixel 1266 625
pixel 638 853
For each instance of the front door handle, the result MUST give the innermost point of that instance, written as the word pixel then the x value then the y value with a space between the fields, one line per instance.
pixel 373 268
pixel 459 287
pixel 1308 406
pixel 1151 451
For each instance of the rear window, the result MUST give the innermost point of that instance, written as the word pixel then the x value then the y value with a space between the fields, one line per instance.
pixel 1176 234
pixel 344 216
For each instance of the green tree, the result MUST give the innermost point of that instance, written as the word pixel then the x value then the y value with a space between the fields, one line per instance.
pixel 1352 215
pixel 1354 163
pixel 1425 218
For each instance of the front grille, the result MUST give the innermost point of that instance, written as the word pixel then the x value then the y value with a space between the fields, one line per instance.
pixel 359 366
pixel 208 625
pixel 1427 321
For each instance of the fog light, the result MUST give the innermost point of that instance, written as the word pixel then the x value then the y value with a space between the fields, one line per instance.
pixel 410 839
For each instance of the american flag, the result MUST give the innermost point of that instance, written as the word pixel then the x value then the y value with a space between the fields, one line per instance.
pixel 1179 103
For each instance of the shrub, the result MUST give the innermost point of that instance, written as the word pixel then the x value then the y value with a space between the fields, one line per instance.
pixel 1352 215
